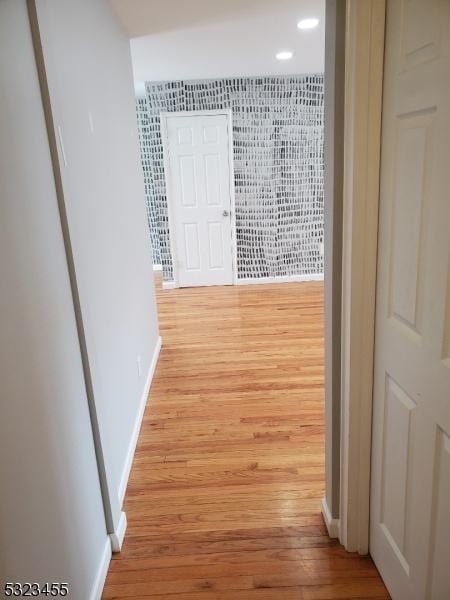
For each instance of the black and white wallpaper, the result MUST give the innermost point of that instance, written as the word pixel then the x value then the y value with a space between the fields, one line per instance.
pixel 278 166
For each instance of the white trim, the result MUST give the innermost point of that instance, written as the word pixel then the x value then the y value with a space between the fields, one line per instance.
pixel 281 279
pixel 164 116
pixel 138 422
pixel 157 267
pixel 231 180
pixel 166 161
pixel 102 572
pixel 195 113
pixel 365 23
pixel 331 524
pixel 333 193
pixel 118 536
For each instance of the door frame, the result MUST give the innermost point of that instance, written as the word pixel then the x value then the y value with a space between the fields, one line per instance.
pixel 164 117
pixel 364 55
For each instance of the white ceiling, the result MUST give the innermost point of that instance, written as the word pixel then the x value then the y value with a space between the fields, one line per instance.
pixel 200 39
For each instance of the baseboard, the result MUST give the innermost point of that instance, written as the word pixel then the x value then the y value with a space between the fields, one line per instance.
pixel 157 267
pixel 332 525
pixel 282 279
pixel 170 285
pixel 137 426
pixel 99 583
pixel 119 534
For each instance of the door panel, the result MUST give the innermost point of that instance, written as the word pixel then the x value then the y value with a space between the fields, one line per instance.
pixel 399 408
pixel 199 181
pixel 410 493
pixel 187 184
pixel 407 230
pixel 212 177
pixel 440 535
pixel 191 247
pixel 215 245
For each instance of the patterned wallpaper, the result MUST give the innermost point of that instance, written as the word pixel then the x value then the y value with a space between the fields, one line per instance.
pixel 145 141
pixel 278 165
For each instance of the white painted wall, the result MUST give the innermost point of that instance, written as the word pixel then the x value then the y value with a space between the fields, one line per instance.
pixel 203 39
pixel 52 525
pixel 88 65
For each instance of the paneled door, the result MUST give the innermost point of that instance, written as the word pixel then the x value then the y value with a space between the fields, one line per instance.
pixel 197 159
pixel 410 494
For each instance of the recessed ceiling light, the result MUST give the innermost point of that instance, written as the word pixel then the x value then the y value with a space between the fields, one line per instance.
pixel 308 23
pixel 284 55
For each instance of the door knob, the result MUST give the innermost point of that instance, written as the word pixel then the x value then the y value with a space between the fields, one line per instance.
pixel 225 213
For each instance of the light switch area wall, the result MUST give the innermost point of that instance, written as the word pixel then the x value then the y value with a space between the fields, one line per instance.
pixel 52 524
pixel 88 69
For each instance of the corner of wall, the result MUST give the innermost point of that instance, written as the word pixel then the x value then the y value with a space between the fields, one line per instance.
pixel 118 536
pixel 331 524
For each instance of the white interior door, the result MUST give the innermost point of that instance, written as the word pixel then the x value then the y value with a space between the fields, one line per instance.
pixel 199 193
pixel 410 495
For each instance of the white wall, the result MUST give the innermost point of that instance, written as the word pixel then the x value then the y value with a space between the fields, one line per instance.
pixel 88 66
pixel 52 525
pixel 210 39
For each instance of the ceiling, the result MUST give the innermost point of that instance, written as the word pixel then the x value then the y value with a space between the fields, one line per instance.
pixel 201 39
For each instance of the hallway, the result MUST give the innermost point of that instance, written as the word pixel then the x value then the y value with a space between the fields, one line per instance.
pixel 224 497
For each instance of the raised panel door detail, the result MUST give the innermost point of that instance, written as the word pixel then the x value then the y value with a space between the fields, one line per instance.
pixel 192 246
pixel 210 134
pixel 215 238
pixel 212 179
pixel 397 429
pixel 439 580
pixel 420 31
pixel 407 231
pixel 188 186
pixel 185 136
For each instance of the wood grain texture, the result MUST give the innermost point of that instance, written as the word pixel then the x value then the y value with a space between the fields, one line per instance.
pixel 224 496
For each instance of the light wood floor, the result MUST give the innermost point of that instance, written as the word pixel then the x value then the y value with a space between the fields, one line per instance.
pixel 224 496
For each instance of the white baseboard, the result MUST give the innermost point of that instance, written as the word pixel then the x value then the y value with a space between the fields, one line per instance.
pixel 99 583
pixel 170 285
pixel 118 536
pixel 157 267
pixel 282 279
pixel 138 422
pixel 332 525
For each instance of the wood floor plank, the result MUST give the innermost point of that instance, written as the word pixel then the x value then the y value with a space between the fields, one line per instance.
pixel 224 496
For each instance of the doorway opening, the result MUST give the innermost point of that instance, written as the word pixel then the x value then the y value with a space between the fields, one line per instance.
pixel 225 497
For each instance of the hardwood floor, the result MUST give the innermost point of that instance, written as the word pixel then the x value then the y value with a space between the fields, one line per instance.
pixel 224 496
